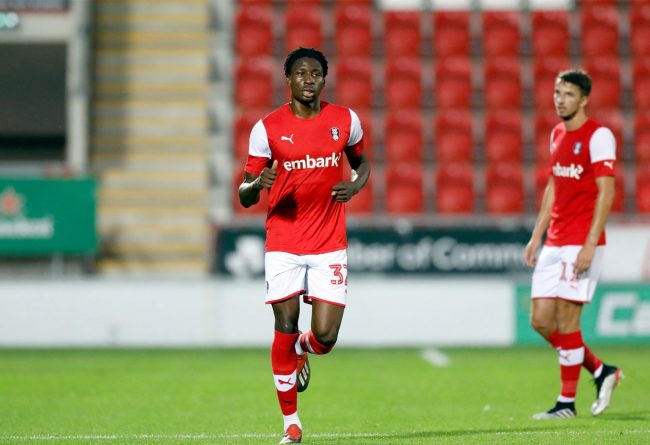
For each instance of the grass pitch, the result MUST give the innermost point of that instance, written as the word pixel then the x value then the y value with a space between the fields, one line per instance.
pixel 376 396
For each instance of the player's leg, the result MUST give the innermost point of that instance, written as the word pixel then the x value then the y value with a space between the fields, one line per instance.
pixel 325 324
pixel 285 277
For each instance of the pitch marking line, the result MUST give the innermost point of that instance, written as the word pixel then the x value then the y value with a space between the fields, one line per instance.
pixel 325 435
pixel 436 358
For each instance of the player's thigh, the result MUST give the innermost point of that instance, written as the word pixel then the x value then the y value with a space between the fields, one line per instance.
pixel 579 289
pixel 547 274
pixel 326 319
pixel 285 276
pixel 327 278
pixel 543 313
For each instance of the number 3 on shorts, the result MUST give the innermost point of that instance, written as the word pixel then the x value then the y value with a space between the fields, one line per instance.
pixel 338 274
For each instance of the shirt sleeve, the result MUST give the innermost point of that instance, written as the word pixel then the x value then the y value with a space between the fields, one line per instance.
pixel 355 142
pixel 602 146
pixel 259 151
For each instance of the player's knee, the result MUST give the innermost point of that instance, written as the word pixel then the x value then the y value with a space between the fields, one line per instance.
pixel 542 325
pixel 286 326
pixel 326 339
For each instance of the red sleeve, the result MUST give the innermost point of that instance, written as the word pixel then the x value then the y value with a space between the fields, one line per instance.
pixel 355 150
pixel 604 168
pixel 256 164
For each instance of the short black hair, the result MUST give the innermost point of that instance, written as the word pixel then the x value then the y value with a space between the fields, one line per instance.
pixel 301 52
pixel 578 78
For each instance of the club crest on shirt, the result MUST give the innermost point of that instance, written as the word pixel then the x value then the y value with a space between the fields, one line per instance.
pixel 335 133
pixel 577 147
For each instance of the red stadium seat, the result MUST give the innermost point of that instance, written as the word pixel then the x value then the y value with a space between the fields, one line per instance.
pixel 404 188
pixel 403 137
pixel 242 131
pixel 501 33
pixel 550 34
pixel 504 188
pixel 455 188
pixel 353 35
pixel 606 75
pixel 403 86
pixel 641 84
pixel 363 202
pixel 642 138
pixel 254 31
pixel 503 137
pixel 354 82
pixel 453 83
pixel 544 124
pixel 454 139
pixel 599 31
pixel 545 72
pixel 258 209
pixel 254 83
pixel 614 120
pixel 451 36
pixel 502 86
pixel 542 174
pixel 302 27
pixel 640 29
pixel 643 189
pixel 402 33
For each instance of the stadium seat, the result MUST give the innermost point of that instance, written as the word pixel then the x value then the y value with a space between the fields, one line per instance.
pixel 454 139
pixel 550 34
pixel 545 72
pixel 503 137
pixel 502 83
pixel 501 33
pixel 451 36
pixel 614 120
pixel 254 31
pixel 242 131
pixel 641 84
pixel 254 83
pixel 599 30
pixel 453 83
pixel 544 124
pixel 258 209
pixel 403 87
pixel 542 173
pixel 643 189
pixel 402 33
pixel 640 29
pixel 606 75
pixel 403 137
pixel 354 82
pixel 455 188
pixel 642 138
pixel 504 188
pixel 353 35
pixel 302 27
pixel 404 188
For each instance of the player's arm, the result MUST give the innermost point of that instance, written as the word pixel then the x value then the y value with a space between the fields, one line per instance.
pixel 604 200
pixel 541 224
pixel 344 191
pixel 249 190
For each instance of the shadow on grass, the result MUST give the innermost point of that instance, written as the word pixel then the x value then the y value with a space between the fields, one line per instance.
pixel 626 416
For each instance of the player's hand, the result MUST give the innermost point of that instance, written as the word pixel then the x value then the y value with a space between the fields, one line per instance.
pixel 344 191
pixel 266 179
pixel 530 252
pixel 583 260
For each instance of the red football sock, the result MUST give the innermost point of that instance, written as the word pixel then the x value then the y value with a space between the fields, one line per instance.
pixel 283 362
pixel 554 339
pixel 592 362
pixel 571 357
pixel 309 343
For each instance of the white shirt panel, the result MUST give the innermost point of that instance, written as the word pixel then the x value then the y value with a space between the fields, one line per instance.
pixel 356 132
pixel 602 145
pixel 258 144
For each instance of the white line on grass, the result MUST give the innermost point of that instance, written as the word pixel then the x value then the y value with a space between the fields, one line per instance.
pixel 323 435
pixel 436 358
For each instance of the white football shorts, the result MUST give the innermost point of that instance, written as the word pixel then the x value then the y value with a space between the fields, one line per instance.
pixel 553 274
pixel 321 277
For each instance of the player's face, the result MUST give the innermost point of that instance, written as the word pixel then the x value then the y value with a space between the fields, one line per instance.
pixel 568 99
pixel 306 80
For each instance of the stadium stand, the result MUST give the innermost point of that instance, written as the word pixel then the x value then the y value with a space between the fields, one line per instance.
pixel 451 36
pixel 404 188
pixel 453 83
pixel 403 137
pixel 254 31
pixel 454 138
pixel 550 34
pixel 354 83
pixel 402 35
pixel 504 188
pixel 501 33
pixel 353 35
pixel 599 31
pixel 606 75
pixel 403 86
pixel 254 83
pixel 642 138
pixel 545 71
pixel 303 26
pixel 640 29
pixel 643 189
pixel 454 188
pixel 503 137
pixel 641 80
pixel 502 83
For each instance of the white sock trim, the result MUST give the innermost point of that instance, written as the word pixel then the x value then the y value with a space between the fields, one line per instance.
pixel 564 399
pixel 298 348
pixel 290 420
pixel 598 371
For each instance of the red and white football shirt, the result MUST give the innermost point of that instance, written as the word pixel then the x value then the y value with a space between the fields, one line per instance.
pixel 303 217
pixel 577 158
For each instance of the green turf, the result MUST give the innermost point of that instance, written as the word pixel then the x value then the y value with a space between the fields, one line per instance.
pixel 486 396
